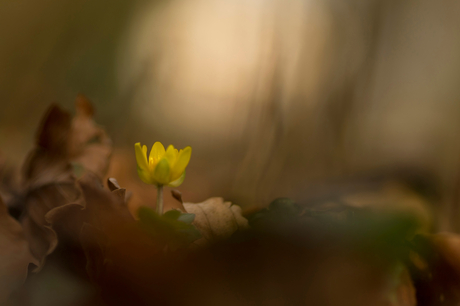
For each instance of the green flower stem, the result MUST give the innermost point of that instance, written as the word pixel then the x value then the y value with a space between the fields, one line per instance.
pixel 160 200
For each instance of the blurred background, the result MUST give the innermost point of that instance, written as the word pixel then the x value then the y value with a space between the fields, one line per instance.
pixel 295 98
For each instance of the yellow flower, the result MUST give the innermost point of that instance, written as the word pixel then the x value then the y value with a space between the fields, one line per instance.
pixel 163 167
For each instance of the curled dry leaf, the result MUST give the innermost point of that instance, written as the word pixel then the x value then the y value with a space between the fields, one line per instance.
pixel 9 181
pixel 448 245
pixel 216 219
pixel 106 231
pixel 42 238
pixel 102 209
pixel 178 196
pixel 88 143
pixel 47 182
pixel 47 163
pixel 48 174
pixel 94 245
pixel 113 185
pixel 15 255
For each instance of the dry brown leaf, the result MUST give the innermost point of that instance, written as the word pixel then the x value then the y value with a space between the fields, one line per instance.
pixel 99 208
pixel 9 181
pixel 48 177
pixel 448 245
pixel 107 231
pixel 88 143
pixel 47 163
pixel 94 245
pixel 178 196
pixel 48 182
pixel 113 185
pixel 104 210
pixel 15 255
pixel 216 219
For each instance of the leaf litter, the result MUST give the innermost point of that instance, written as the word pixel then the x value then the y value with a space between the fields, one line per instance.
pixel 371 248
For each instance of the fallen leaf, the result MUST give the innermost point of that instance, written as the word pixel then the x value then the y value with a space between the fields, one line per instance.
pixel 448 245
pixel 113 185
pixel 49 180
pixel 94 244
pixel 102 209
pixel 88 143
pixel 216 220
pixel 15 255
pixel 47 163
pixel 42 238
pixel 178 196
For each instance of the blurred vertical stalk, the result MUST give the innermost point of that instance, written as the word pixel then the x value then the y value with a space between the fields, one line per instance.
pixel 160 200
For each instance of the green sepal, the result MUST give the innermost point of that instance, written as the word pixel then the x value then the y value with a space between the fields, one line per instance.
pixel 177 182
pixel 161 173
pixel 187 218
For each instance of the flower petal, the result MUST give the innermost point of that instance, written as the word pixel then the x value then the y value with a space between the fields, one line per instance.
pixel 171 155
pixel 181 163
pixel 177 182
pixel 157 152
pixel 146 176
pixel 161 174
pixel 141 156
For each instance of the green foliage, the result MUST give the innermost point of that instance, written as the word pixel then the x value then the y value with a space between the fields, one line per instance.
pixel 362 228
pixel 172 228
pixel 187 218
pixel 281 210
